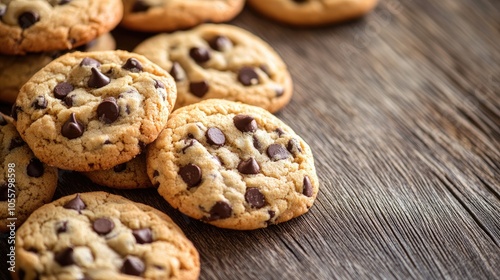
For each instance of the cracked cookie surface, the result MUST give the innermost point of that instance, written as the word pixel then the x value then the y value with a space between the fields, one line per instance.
pixel 171 15
pixel 232 165
pixel 40 25
pixel 221 61
pixel 98 235
pixel 25 182
pixel 93 111
pixel 312 12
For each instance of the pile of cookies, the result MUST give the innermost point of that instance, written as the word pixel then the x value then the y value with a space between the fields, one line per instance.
pixel 188 113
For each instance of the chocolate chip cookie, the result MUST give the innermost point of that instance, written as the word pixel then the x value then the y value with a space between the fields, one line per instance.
pixel 221 61
pixel 102 236
pixel 25 182
pixel 232 165
pixel 312 12
pixel 93 111
pixel 16 70
pixel 171 15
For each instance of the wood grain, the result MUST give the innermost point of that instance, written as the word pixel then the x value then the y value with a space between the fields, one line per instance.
pixel 402 111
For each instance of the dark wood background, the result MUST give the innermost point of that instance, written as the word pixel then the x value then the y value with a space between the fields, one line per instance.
pixel 402 111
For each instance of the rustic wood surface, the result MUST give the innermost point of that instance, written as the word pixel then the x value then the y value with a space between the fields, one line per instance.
pixel 402 111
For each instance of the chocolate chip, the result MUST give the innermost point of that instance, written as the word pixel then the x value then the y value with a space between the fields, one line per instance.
pixel 133 266
pixel 277 152
pixel 64 2
pixel 215 136
pixel 190 143
pixel 4 192
pixel 249 166
pixel 27 19
pixel 103 226
pixel 40 102
pixel 199 55
pixel 68 100
pixel 14 111
pixel 271 216
pixel 265 69
pixel 191 175
pixel 140 6
pixel 62 90
pixel 199 89
pixel 220 43
pixel 62 227
pixel 65 257
pixel 156 173
pixel 279 91
pixel 307 188
pixel 120 167
pixel 108 111
pixel 255 198
pixel 220 210
pixel 72 128
pixel 256 143
pixel 245 123
pixel 132 65
pixel 293 147
pixel 16 142
pixel 87 61
pixel 279 131
pixel 247 76
pixel 159 84
pixel 97 79
pixel 3 122
pixel 176 72
pixel 75 204
pixel 35 168
pixel 143 236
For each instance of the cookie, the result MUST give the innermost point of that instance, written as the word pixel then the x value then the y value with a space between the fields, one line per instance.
pixel 232 165
pixel 171 15
pixel 312 12
pixel 25 182
pixel 41 26
pixel 93 111
pixel 98 235
pixel 128 175
pixel 16 70
pixel 221 61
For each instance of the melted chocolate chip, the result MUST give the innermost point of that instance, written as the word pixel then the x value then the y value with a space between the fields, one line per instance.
pixel 35 168
pixel 220 210
pixel 256 143
pixel 199 89
pixel 16 142
pixel 159 84
pixel 307 188
pixel 108 111
pixel 279 131
pixel 4 192
pixel 176 72
pixel 62 90
pixel 140 6
pixel 293 147
pixel 103 226
pixel 62 227
pixel 255 198
pixel 72 128
pixel 97 79
pixel 87 61
pixel 215 136
pixel 132 65
pixel 133 266
pixel 65 257
pixel 27 19
pixel 249 166
pixel 220 43
pixel 245 123
pixel 120 167
pixel 247 76
pixel 277 152
pixel 3 122
pixel 40 102
pixel 190 142
pixel 143 236
pixel 191 175
pixel 199 55
pixel 75 204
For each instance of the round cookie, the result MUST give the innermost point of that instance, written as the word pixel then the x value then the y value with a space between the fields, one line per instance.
pixel 171 15
pixel 102 236
pixel 128 175
pixel 221 61
pixel 232 165
pixel 92 111
pixel 48 25
pixel 25 182
pixel 312 12
pixel 16 70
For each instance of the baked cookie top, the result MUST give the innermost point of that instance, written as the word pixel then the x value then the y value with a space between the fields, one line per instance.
pixel 25 181
pixel 92 111
pixel 171 15
pixel 47 25
pixel 98 235
pixel 232 165
pixel 312 12
pixel 221 61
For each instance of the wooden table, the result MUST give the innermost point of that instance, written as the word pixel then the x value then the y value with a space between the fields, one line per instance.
pixel 402 111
